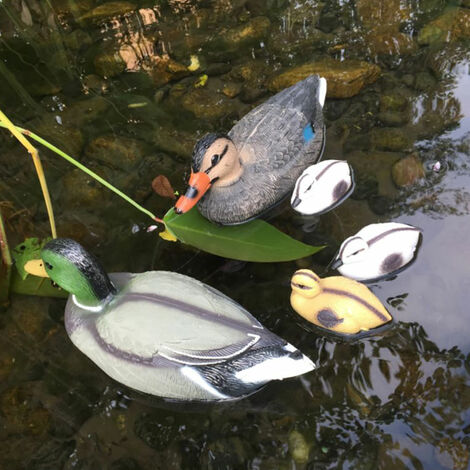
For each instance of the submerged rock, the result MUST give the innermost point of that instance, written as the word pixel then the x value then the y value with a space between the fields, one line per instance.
pixel 77 39
pixel 66 137
pixel 231 89
pixel 167 70
pixel 390 138
pixel 82 190
pixel 285 44
pixel 345 79
pixel 439 112
pixel 206 104
pixel 381 13
pixel 109 63
pixel 425 81
pixel 393 102
pixel 452 454
pixel 408 170
pixel 83 112
pixel 247 33
pixel 393 119
pixel 95 84
pixel 115 151
pixel 298 447
pixel 174 141
pixel 452 25
pixel 445 61
pixel 22 413
pixel 390 42
pixel 107 11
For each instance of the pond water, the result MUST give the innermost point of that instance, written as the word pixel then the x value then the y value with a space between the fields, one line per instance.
pixel 109 83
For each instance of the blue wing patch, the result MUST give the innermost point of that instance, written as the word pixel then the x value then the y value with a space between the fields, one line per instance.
pixel 309 133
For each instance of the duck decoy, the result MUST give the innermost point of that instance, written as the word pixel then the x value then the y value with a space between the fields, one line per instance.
pixel 322 187
pixel 239 176
pixel 164 333
pixel 377 250
pixel 336 303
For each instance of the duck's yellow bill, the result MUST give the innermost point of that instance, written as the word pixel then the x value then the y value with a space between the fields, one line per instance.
pixel 199 183
pixel 36 267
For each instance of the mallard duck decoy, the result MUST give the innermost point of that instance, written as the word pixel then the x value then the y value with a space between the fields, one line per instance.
pixel 377 250
pixel 322 187
pixel 164 333
pixel 336 303
pixel 238 176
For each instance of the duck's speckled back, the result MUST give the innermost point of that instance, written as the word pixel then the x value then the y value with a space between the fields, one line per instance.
pixel 271 142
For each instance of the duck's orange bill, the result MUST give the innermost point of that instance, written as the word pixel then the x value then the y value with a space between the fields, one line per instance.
pixel 199 183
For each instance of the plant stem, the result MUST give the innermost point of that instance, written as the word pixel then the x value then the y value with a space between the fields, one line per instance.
pixel 5 264
pixel 86 170
pixel 5 122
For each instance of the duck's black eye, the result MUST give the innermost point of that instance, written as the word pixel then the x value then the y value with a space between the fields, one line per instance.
pixel 215 159
pixel 48 266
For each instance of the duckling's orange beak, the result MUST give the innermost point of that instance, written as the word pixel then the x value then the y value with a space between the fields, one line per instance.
pixel 199 183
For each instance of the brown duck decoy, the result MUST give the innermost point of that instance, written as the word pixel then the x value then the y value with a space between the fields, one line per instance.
pixel 238 176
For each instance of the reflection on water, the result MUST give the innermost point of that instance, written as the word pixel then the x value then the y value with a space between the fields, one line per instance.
pixel 114 83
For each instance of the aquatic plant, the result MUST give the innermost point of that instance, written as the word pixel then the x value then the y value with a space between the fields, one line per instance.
pixel 5 122
pixel 256 241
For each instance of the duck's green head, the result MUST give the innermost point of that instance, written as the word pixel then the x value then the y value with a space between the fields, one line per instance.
pixel 78 272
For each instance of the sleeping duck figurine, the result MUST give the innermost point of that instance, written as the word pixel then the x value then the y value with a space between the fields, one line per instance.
pixel 164 333
pixel 377 250
pixel 336 303
pixel 322 187
pixel 238 176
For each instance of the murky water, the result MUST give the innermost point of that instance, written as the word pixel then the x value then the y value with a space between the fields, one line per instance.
pixel 109 83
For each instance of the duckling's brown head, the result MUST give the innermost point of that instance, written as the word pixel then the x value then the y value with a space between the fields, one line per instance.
pixel 215 162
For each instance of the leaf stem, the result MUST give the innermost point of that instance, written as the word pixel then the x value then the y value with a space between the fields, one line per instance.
pixel 86 170
pixel 5 122
pixel 5 263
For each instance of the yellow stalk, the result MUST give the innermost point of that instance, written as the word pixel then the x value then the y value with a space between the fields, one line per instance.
pixel 37 164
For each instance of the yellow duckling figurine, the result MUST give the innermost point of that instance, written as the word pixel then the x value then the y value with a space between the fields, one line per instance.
pixel 336 303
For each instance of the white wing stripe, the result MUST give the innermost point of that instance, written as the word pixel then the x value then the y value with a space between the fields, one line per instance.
pixel 227 356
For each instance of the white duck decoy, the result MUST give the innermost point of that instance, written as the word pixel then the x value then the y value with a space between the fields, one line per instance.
pixel 166 334
pixel 322 187
pixel 377 250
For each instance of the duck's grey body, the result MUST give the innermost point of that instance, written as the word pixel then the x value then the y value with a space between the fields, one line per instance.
pixel 169 335
pixel 274 150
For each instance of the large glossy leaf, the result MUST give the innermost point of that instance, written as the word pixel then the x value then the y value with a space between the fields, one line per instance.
pixel 254 241
pixel 21 281
pixel 26 251
pixel 33 285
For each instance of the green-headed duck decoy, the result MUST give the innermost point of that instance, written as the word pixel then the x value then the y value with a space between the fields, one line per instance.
pixel 239 176
pixel 166 334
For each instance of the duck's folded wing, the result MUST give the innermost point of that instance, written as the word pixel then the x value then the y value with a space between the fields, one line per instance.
pixel 178 318
pixel 208 356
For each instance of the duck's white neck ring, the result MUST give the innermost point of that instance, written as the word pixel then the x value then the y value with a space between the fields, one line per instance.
pixel 92 308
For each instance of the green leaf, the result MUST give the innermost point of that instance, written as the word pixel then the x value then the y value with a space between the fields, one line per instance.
pixel 28 250
pixel 22 282
pixel 254 241
pixel 33 285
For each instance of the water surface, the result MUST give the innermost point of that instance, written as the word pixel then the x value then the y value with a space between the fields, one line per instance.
pixel 113 89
